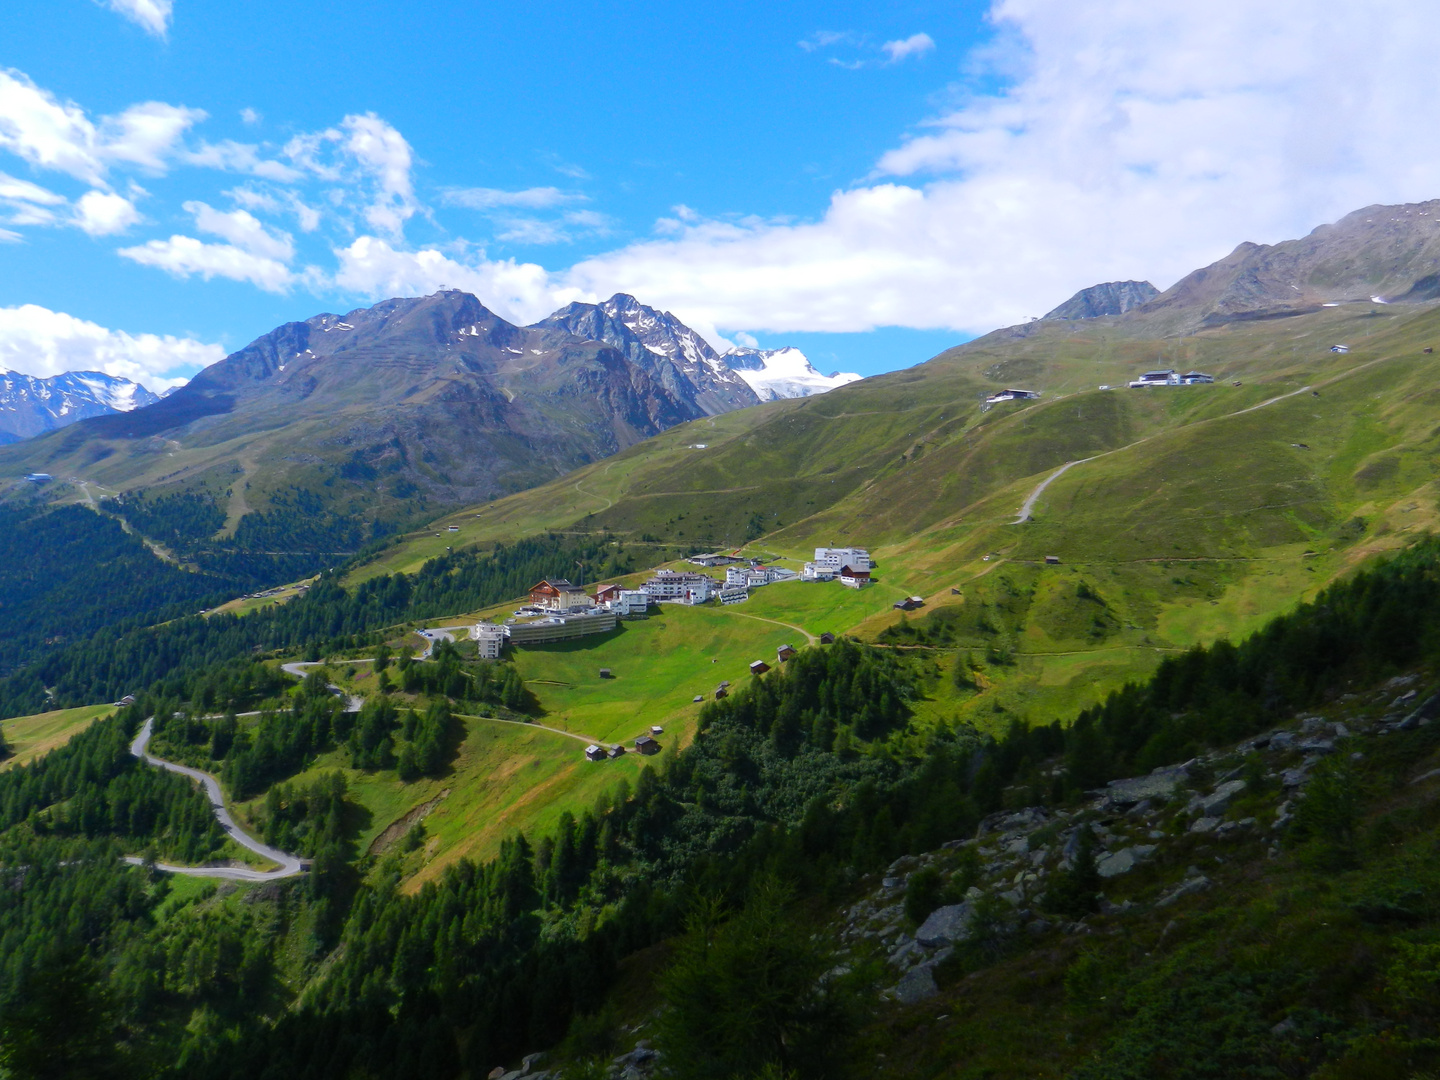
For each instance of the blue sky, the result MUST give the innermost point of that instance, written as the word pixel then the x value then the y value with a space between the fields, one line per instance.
pixel 870 182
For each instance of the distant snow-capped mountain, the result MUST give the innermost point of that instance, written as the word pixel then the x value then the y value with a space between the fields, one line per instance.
pixel 681 360
pixel 782 373
pixel 30 405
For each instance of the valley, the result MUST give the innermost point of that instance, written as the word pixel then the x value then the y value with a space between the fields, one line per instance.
pixel 1069 590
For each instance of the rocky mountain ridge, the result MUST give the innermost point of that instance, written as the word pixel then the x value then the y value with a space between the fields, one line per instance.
pixel 31 405
pixel 657 342
pixel 1108 298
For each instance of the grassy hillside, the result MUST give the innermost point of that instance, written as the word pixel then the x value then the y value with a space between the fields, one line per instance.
pixel 507 777
pixel 30 737
pixel 1196 512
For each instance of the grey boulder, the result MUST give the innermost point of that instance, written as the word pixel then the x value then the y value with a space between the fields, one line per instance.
pixel 946 925
pixel 917 984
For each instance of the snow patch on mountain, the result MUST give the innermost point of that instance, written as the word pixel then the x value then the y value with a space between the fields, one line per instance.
pixel 30 405
pixel 782 373
pixel 667 350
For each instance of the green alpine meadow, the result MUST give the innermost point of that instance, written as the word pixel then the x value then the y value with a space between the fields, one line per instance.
pixel 803 542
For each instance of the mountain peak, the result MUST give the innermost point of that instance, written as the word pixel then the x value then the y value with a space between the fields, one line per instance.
pixel 30 405
pixel 680 359
pixel 1107 298
pixel 783 373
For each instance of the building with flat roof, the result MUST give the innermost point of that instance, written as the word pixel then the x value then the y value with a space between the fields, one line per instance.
pixel 490 639
pixel 560 627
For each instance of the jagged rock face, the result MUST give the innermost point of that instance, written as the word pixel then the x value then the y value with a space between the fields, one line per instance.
pixel 661 345
pixel 1109 298
pixel 30 405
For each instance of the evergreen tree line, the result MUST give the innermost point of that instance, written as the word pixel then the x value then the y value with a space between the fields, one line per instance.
pixel 685 832
pixel 1380 621
pixel 180 518
pixel 93 786
pixel 65 571
pixel 120 658
pixel 447 675
pixel 495 959
pixel 284 741
pixel 305 818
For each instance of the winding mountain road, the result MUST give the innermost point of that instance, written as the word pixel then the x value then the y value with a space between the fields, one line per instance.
pixel 353 703
pixel 290 865
pixel 1029 504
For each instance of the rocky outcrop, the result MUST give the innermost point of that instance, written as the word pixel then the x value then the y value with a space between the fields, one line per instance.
pixel 1144 830
pixel 675 356
pixel 1109 298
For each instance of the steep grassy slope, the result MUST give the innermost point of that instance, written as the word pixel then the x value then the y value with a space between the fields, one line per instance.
pixel 30 737
pixel 1196 512
pixel 507 777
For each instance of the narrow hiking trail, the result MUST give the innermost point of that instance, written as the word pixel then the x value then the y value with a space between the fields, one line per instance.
pixel 586 739
pixel 810 639
pixel 290 865
pixel 1029 504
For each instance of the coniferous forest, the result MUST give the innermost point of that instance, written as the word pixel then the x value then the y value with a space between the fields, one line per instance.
pixel 798 787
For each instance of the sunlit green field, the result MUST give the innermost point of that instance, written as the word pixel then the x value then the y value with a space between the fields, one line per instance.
pixel 31 737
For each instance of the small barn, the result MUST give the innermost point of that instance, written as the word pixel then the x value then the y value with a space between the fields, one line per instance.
pixel 595 753
pixel 656 729
pixel 721 692
pixel 827 638
pixel 759 667
pixel 605 673
pixel 784 652
pixel 646 745
pixel 1052 560
pixel 617 751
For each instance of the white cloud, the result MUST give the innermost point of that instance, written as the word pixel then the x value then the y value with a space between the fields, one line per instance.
pixel 147 135
pixel 41 342
pixel 536 198
pixel 244 230
pixel 273 202
pixel 153 16
pixel 230 156
pixel 914 45
pixel 383 153
pixel 250 116
pixel 183 256
pixel 55 135
pixel 531 231
pixel 103 213
pixel 18 190
pixel 43 131
pixel 24 203
pixel 520 292
pixel 823 39
pixel 1140 140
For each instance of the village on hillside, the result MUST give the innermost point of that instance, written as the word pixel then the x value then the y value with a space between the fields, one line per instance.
pixel 558 610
